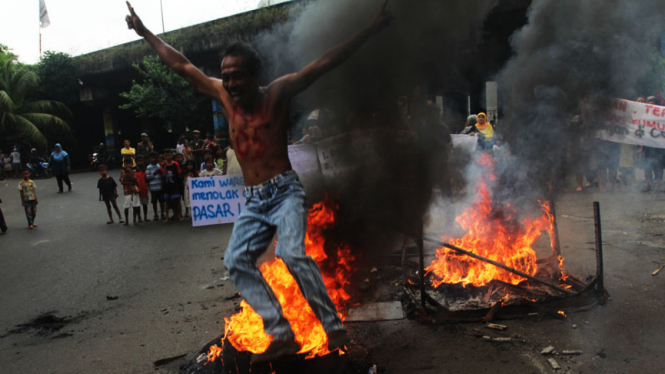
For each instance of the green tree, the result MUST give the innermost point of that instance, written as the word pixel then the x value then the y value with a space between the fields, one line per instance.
pixel 5 54
pixel 20 113
pixel 164 95
pixel 57 74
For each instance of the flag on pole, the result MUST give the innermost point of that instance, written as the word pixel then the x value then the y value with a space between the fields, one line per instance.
pixel 43 15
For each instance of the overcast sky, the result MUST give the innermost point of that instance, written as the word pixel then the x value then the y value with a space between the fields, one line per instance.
pixel 82 26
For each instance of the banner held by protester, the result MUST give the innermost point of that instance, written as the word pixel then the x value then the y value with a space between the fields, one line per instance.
pixel 635 123
pixel 216 200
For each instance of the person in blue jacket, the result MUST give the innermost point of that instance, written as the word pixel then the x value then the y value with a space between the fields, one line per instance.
pixel 60 166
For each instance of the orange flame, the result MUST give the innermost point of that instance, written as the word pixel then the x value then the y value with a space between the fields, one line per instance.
pixel 562 313
pixel 244 330
pixel 492 233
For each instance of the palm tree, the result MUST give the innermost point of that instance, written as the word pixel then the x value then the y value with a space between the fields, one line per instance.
pixel 22 115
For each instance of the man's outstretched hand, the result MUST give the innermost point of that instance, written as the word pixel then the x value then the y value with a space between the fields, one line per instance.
pixel 134 22
pixel 382 18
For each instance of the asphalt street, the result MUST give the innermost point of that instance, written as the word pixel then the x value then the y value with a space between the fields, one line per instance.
pixel 166 277
pixel 168 295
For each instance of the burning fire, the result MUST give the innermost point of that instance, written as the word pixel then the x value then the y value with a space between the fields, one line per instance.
pixel 493 233
pixel 244 330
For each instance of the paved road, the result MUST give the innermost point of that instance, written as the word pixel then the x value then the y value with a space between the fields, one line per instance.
pixel 166 278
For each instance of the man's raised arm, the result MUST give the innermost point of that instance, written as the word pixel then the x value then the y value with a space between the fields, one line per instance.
pixel 175 60
pixel 293 84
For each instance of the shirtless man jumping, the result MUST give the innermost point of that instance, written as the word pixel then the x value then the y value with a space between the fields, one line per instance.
pixel 276 201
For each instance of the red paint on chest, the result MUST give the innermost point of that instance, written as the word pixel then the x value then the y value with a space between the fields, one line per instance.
pixel 248 143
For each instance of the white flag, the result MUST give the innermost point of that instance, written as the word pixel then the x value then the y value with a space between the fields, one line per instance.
pixel 43 15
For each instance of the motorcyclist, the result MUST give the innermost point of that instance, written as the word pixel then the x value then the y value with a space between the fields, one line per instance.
pixel 35 162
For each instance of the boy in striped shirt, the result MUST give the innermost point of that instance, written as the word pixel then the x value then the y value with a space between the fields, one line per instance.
pixel 153 175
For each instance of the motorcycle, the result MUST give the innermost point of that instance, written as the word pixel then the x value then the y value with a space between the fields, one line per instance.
pixel 39 169
pixel 96 160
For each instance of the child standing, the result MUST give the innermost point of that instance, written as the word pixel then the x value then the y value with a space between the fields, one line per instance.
pixel 130 188
pixel 154 178
pixel 172 184
pixel 28 188
pixel 220 158
pixel 108 193
pixel 210 169
pixel 190 172
pixel 143 186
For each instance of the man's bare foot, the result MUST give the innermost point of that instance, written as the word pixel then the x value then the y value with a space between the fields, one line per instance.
pixel 276 349
pixel 579 189
pixel 35 225
pixel 31 227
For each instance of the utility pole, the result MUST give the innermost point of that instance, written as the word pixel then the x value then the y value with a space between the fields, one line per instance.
pixel 162 9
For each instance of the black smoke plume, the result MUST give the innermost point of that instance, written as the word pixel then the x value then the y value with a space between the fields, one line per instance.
pixel 427 44
pixel 571 57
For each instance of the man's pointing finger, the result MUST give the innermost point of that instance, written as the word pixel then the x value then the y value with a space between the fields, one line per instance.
pixel 131 10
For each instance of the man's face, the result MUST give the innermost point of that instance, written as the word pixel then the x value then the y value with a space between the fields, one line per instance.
pixel 103 172
pixel 196 135
pixel 126 144
pixel 153 159
pixel 168 156
pixel 640 100
pixel 25 174
pixel 481 119
pixel 57 148
pixel 128 166
pixel 144 139
pixel 237 80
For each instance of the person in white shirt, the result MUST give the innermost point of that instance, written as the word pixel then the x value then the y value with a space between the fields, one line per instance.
pixel 210 169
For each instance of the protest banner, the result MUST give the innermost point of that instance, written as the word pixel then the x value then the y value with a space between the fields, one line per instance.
pixel 216 200
pixel 464 141
pixel 634 123
pixel 305 162
pixel 342 155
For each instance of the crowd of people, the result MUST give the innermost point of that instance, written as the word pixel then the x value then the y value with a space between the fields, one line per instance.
pixel 162 179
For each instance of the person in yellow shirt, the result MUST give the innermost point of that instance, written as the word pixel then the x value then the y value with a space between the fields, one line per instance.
pixel 128 152
pixel 485 132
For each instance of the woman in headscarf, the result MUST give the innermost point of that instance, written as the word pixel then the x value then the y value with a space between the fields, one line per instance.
pixel 60 167
pixel 485 132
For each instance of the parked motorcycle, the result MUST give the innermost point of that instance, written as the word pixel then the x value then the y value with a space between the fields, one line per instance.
pixel 39 169
pixel 96 160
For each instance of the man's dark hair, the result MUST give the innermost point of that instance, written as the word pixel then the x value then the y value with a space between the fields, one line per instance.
pixel 252 58
pixel 102 167
pixel 25 169
pixel 153 154
pixel 168 150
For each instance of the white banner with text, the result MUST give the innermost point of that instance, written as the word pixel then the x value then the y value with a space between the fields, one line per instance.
pixel 630 122
pixel 216 200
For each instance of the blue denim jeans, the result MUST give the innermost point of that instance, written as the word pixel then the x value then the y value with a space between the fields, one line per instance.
pixel 278 205
pixel 30 211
